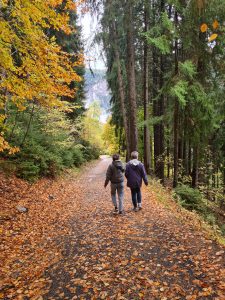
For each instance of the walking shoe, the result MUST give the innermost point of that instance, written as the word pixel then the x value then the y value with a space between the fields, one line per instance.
pixel 135 209
pixel 115 211
pixel 139 205
pixel 121 212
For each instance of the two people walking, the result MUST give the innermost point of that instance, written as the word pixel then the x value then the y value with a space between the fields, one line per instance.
pixel 135 174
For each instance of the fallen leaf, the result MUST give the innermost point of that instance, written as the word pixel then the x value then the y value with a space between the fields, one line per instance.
pixel 219 252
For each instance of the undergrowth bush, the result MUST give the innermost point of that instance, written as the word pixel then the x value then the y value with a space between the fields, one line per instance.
pixel 190 198
pixel 193 199
pixel 47 147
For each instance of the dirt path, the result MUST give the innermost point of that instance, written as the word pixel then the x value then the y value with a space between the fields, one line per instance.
pixel 72 246
pixel 143 255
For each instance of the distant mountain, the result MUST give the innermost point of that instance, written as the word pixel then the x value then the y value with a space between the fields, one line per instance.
pixel 96 89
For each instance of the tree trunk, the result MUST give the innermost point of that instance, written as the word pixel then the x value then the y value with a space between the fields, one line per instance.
pixel 168 158
pixel 28 126
pixel 223 178
pixel 175 141
pixel 189 159
pixel 195 166
pixel 147 153
pixel 158 109
pixel 175 117
pixel 180 149
pixel 131 79
pixel 161 125
pixel 155 77
pixel 14 126
pixel 158 128
pixel 121 88
pixel 186 148
pixel 151 152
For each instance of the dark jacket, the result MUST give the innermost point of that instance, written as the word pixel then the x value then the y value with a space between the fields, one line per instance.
pixel 115 172
pixel 135 172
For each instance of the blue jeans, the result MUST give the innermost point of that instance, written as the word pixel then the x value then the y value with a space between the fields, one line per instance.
pixel 136 196
pixel 119 188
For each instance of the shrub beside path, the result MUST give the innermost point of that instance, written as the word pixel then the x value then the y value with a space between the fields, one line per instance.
pixel 78 249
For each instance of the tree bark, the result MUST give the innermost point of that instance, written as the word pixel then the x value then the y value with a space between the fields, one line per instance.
pixel 189 159
pixel 161 125
pixel 175 141
pixel 158 109
pixel 224 179
pixel 175 118
pixel 131 78
pixel 28 126
pixel 147 153
pixel 168 158
pixel 155 80
pixel 195 166
pixel 121 87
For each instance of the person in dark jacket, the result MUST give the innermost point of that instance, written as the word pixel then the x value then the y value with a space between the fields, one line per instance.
pixel 115 175
pixel 135 173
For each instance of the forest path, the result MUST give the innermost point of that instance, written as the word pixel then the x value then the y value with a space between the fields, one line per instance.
pixel 140 255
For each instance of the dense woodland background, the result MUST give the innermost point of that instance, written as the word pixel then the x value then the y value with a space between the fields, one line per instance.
pixel 165 70
pixel 168 81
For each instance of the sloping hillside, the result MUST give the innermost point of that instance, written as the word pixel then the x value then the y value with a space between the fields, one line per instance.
pixel 96 89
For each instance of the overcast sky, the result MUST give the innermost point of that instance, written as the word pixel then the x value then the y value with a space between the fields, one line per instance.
pixel 92 50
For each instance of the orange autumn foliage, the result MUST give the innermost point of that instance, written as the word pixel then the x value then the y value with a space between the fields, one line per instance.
pixel 32 66
pixel 204 27
pixel 215 24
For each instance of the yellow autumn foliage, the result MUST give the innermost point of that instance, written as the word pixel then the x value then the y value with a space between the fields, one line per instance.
pixel 213 37
pixel 33 66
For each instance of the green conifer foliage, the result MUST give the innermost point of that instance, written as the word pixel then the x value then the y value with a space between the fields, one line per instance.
pixel 186 83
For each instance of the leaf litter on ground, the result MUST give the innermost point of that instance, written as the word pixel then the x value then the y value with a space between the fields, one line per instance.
pixel 74 247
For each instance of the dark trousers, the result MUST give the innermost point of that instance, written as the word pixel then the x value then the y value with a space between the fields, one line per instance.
pixel 136 196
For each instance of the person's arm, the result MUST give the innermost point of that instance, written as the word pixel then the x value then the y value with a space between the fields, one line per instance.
pixel 108 175
pixel 123 168
pixel 144 175
pixel 127 170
